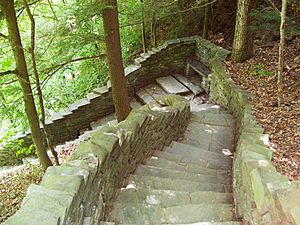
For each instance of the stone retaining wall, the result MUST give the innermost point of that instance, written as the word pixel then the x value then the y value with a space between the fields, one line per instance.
pixel 165 60
pixel 262 195
pixel 78 191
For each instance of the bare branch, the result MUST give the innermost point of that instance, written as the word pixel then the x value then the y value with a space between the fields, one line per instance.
pixel 189 9
pixel 75 60
pixel 56 68
pixel 274 6
pixel 52 9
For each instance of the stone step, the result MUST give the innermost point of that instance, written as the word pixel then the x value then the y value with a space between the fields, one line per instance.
pixel 212 223
pixel 197 223
pixel 135 104
pixel 205 132
pixel 207 108
pixel 171 85
pixel 145 170
pixel 211 164
pixel 223 119
pixel 210 109
pixel 167 198
pixel 144 97
pixel 198 213
pixel 155 91
pixel 102 121
pixel 212 146
pixel 199 152
pixel 194 88
pixel 190 168
pixel 176 184
pixel 130 213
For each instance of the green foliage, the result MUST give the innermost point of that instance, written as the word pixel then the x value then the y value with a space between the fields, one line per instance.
pixel 259 70
pixel 266 23
pixel 68 30
pixel 15 150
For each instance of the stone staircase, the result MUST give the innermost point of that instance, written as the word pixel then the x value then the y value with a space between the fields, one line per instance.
pixel 190 181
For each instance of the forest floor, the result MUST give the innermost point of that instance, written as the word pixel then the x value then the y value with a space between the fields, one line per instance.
pixel 258 76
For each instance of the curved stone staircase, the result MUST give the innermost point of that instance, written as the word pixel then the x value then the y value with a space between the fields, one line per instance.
pixel 190 181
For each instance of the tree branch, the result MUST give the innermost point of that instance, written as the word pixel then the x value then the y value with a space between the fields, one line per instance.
pixel 8 72
pixel 56 68
pixel 4 36
pixel 274 6
pixel 189 9
pixel 76 60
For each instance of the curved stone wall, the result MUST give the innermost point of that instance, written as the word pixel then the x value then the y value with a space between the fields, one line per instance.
pixel 168 59
pixel 262 195
pixel 78 191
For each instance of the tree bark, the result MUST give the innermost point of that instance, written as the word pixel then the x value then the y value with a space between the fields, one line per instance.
pixel 115 63
pixel 7 7
pixel 281 51
pixel 206 21
pixel 243 38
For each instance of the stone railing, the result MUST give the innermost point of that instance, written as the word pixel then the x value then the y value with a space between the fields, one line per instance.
pixel 262 195
pixel 78 191
pixel 164 60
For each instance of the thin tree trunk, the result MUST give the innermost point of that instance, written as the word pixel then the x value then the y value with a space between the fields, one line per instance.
pixel 115 63
pixel 38 84
pixel 7 7
pixel 243 38
pixel 281 51
pixel 153 29
pixel 206 21
pixel 143 28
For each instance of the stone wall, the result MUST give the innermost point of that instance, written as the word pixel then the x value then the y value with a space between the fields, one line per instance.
pixel 78 191
pixel 262 195
pixel 165 60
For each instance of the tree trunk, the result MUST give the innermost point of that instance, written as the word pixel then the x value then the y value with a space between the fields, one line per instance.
pixel 281 50
pixel 7 7
pixel 153 29
pixel 206 21
pixel 243 38
pixel 115 63
pixel 38 84
pixel 144 42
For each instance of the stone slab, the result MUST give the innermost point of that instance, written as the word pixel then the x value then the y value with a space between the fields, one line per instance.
pixel 135 104
pixel 190 168
pixel 135 213
pixel 195 89
pixel 171 85
pixel 211 197
pixel 164 198
pixel 198 213
pixel 211 164
pixel 176 184
pixel 155 91
pixel 167 173
pixel 179 148
pixel 144 97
